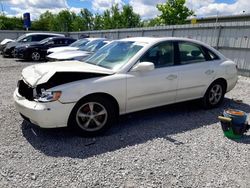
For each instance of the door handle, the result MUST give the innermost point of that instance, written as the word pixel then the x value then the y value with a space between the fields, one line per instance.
pixel 171 77
pixel 209 72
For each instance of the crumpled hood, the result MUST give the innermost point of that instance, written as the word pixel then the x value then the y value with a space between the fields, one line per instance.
pixel 11 44
pixel 5 41
pixel 69 55
pixel 62 49
pixel 41 73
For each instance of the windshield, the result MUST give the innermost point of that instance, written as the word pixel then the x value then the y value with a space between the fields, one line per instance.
pixel 44 40
pixel 115 54
pixel 21 38
pixel 92 46
pixel 79 43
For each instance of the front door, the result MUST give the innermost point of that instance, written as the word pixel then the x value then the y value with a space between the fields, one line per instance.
pixel 156 87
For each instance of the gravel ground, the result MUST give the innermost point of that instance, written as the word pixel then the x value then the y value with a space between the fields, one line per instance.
pixel 179 145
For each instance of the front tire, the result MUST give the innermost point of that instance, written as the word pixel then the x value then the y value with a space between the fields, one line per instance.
pixel 13 53
pixel 92 116
pixel 214 95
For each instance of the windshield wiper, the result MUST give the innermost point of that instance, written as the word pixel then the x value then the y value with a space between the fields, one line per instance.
pixel 95 64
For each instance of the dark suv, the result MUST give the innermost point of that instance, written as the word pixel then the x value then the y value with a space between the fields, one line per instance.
pixel 8 51
pixel 37 50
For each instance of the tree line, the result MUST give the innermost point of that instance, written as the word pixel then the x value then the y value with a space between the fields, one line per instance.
pixel 171 12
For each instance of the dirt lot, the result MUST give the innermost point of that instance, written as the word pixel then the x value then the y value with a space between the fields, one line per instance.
pixel 179 145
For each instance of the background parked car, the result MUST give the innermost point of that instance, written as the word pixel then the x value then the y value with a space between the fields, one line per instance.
pixel 38 50
pixel 82 52
pixel 8 51
pixel 3 44
pixel 74 46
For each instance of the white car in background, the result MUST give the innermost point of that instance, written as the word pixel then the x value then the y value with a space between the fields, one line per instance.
pixel 5 41
pixel 74 46
pixel 124 76
pixel 80 53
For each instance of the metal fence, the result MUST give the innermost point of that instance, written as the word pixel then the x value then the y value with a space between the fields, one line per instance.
pixel 230 38
pixel 13 34
pixel 9 34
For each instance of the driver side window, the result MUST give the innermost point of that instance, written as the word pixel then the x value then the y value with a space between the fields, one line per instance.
pixel 162 55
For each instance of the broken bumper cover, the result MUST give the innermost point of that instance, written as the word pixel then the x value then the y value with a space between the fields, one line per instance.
pixel 45 115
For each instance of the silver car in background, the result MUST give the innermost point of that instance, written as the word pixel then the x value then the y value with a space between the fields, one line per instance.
pixel 74 46
pixel 79 54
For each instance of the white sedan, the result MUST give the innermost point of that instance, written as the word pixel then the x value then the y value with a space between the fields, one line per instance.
pixel 82 52
pixel 124 76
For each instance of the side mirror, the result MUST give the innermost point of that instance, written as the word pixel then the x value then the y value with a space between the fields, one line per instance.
pixel 143 67
pixel 49 43
pixel 25 40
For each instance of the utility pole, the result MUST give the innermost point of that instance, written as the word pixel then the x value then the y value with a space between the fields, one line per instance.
pixel 2 10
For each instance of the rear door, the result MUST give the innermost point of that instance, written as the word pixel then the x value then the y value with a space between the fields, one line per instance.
pixel 195 71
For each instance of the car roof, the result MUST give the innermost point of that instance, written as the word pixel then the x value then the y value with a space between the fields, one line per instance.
pixel 61 38
pixel 93 38
pixel 55 34
pixel 158 39
pixel 155 40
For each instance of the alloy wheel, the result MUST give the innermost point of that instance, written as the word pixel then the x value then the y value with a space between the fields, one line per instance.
pixel 91 116
pixel 215 94
pixel 35 56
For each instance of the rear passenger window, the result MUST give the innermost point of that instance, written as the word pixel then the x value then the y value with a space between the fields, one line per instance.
pixel 190 53
pixel 56 41
pixel 39 37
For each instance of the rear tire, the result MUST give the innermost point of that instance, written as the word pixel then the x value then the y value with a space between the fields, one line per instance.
pixel 92 116
pixel 35 56
pixel 214 95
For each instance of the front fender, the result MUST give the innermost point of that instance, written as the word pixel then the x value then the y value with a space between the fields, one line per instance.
pixel 114 85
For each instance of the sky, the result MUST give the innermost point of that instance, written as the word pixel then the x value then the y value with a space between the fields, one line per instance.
pixel 146 8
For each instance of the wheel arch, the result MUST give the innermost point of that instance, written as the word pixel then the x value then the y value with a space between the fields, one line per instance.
pixel 205 101
pixel 107 96
pixel 220 80
pixel 103 95
pixel 223 81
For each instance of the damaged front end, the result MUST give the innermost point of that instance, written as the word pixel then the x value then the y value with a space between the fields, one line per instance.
pixel 41 92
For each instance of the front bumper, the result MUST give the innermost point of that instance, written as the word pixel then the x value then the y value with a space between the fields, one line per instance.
pixel 22 53
pixel 45 115
pixel 2 47
pixel 6 52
